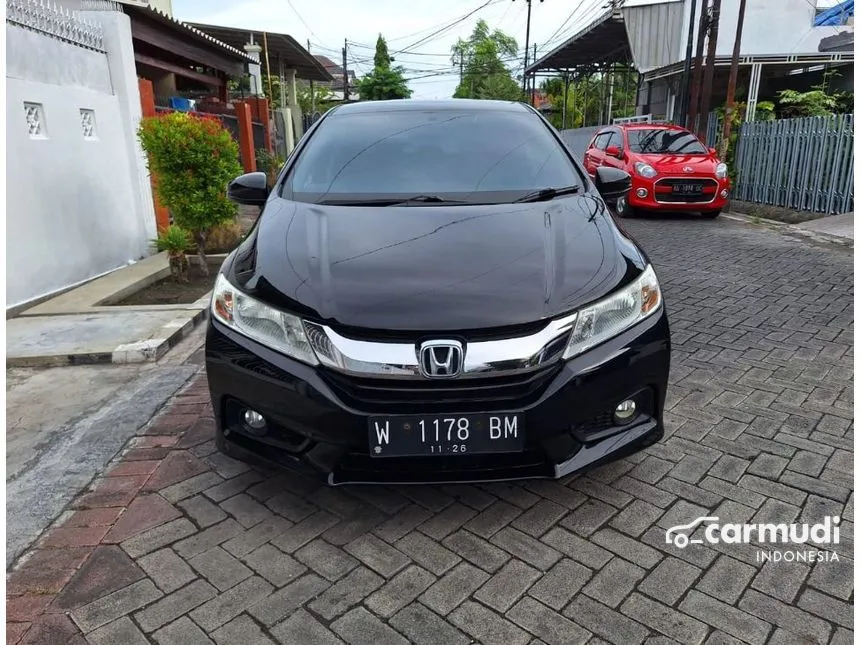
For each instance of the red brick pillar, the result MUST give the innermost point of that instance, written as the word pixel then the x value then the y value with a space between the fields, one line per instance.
pixel 246 136
pixel 147 106
pixel 260 112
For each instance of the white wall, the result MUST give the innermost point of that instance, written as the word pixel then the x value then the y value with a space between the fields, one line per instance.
pixel 771 27
pixel 783 27
pixel 71 209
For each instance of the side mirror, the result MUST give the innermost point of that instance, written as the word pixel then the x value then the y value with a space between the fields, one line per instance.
pixel 713 151
pixel 250 189
pixel 612 183
pixel 613 151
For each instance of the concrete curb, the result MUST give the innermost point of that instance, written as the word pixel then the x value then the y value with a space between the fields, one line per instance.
pixel 135 352
pixel 97 295
pixel 791 229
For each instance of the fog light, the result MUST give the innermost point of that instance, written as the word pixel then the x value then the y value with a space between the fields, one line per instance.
pixel 724 193
pixel 642 193
pixel 255 422
pixel 624 412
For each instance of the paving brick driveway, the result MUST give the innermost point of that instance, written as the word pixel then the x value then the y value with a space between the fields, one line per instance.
pixel 177 544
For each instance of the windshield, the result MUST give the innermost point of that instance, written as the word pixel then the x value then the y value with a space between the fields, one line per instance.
pixel 486 156
pixel 662 141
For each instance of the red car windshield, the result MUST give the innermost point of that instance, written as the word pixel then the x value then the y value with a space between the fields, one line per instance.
pixel 663 141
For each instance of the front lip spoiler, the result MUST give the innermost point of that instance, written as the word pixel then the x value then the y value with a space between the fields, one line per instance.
pixel 601 451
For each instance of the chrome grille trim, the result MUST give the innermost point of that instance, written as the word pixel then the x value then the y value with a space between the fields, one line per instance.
pixel 374 359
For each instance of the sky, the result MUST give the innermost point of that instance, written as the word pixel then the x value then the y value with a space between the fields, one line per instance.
pixel 327 22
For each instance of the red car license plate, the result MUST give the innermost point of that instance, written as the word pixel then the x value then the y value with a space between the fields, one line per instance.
pixel 687 189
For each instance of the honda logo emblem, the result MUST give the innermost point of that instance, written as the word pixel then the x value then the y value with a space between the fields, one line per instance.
pixel 688 169
pixel 441 358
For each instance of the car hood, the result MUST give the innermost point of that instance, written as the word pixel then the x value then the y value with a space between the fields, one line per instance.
pixel 676 164
pixel 435 268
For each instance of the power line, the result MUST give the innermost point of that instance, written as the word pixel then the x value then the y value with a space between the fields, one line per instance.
pixel 299 16
pixel 448 27
pixel 576 10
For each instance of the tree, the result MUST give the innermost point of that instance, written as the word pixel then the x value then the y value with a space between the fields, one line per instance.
pixel 586 96
pixel 482 58
pixel 193 158
pixel 322 99
pixel 384 82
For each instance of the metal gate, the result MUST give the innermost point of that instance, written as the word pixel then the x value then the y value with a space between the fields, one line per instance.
pixel 804 164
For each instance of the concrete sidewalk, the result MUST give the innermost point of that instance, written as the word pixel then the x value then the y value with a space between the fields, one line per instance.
pixel 835 226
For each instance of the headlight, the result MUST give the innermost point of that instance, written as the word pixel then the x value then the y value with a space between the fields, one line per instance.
pixel 722 171
pixel 275 329
pixel 615 313
pixel 645 170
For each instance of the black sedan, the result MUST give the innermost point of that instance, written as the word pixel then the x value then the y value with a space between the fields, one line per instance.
pixel 436 292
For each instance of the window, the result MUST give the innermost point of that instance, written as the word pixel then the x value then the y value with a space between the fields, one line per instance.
pixel 663 140
pixel 602 140
pixel 88 123
pixel 478 156
pixel 615 139
pixel 34 115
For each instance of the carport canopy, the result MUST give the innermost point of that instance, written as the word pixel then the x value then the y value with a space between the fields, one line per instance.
pixel 282 48
pixel 603 42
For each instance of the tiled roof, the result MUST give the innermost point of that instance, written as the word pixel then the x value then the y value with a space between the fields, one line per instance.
pixel 184 26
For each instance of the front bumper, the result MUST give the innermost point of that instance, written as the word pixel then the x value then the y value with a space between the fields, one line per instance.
pixel 658 195
pixel 318 419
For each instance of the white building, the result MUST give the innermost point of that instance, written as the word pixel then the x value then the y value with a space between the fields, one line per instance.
pixel 781 47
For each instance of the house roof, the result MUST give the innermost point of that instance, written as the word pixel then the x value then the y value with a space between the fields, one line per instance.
pixel 187 29
pixel 281 47
pixel 602 41
pixel 333 68
pixel 337 72
pixel 842 42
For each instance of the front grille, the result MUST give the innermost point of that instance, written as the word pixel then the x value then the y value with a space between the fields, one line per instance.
pixel 595 425
pixel 376 395
pixel 705 191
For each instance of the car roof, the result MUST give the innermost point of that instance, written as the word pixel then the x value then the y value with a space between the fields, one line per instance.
pixel 650 126
pixel 400 105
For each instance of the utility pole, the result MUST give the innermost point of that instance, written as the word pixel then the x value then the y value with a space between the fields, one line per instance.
pixel 587 79
pixel 707 85
pixel 461 68
pixel 534 76
pixel 611 91
pixel 313 102
pixel 564 104
pixel 685 77
pixel 696 86
pixel 733 80
pixel 345 75
pixel 528 27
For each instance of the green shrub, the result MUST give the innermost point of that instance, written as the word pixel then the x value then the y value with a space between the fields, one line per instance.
pixel 224 237
pixel 193 159
pixel 176 241
pixel 269 163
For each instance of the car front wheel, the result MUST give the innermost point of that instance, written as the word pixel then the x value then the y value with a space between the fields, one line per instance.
pixel 623 208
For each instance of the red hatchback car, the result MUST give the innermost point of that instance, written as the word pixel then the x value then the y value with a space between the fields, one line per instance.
pixel 671 169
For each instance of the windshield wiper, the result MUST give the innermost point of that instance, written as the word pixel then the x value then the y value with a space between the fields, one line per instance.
pixel 545 194
pixel 392 201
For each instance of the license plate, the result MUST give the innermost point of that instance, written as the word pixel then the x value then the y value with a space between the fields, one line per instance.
pixel 445 434
pixel 687 189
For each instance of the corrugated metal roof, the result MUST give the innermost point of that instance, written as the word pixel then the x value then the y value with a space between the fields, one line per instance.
pixel 602 41
pixel 655 32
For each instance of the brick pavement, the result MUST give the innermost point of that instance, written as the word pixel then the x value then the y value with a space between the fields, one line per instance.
pixel 179 544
